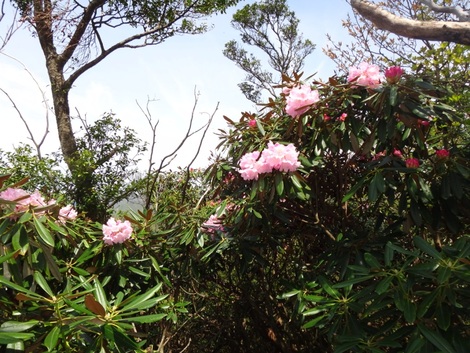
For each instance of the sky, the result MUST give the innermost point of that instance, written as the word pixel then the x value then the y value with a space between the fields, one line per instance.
pixel 166 75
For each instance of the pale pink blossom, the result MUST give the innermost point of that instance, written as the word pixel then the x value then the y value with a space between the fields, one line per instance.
pixel 281 157
pixel 24 200
pixel 300 99
pixel 213 225
pixel 412 163
pixel 365 74
pixel 442 154
pixel 249 165
pixel 393 74
pixel 67 213
pixel 276 156
pixel 116 231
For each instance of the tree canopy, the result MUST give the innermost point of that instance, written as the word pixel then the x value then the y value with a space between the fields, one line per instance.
pixel 269 26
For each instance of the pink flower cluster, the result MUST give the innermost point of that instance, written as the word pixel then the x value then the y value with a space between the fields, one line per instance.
pixel 25 201
pixel 365 74
pixel 279 157
pixel 299 99
pixel 67 213
pixel 116 231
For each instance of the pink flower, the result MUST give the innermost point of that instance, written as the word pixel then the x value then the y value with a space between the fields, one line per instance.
pixel 213 225
pixel 249 165
pixel 365 75
pixel 442 154
pixel 379 155
pixel 24 200
pixel 67 213
pixel 300 99
pixel 116 231
pixel 412 163
pixel 397 153
pixel 423 122
pixel 281 157
pixel 393 74
pixel 252 123
pixel 343 117
pixel 326 117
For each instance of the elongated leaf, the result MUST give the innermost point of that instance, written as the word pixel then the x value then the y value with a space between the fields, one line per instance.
pixel 17 326
pixel 313 322
pixel 436 339
pixel 150 303
pixel 423 245
pixel 8 256
pixel 145 319
pixel 353 190
pixel 351 282
pixel 39 278
pixel 52 338
pixel 279 184
pixel 20 289
pixel 15 347
pixel 94 306
pixel 100 294
pixel 142 298
pixel 43 233
pixel 13 337
pixel 50 261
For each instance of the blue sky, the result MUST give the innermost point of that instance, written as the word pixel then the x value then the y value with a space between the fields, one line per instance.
pixel 167 73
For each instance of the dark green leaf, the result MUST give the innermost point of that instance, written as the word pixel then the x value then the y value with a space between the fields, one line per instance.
pixel 424 246
pixel 436 339
pixel 43 233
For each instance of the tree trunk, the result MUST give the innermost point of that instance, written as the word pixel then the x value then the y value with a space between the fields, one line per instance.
pixel 60 97
pixel 59 86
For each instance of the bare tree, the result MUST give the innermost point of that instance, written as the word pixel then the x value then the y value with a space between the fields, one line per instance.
pixel 447 31
pixel 75 36
pixel 154 173
pixel 11 29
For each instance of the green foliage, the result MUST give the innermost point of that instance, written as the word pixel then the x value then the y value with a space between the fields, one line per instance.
pixel 271 27
pixel 394 299
pixel 43 173
pixel 63 290
pixel 106 171
pixel 346 235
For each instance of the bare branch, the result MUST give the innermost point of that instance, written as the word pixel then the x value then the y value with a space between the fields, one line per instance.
pixel 444 31
pixel 15 25
pixel 188 167
pixel 166 160
pixel 460 13
pixel 37 145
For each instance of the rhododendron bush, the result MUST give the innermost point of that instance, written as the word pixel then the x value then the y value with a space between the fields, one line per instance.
pixel 71 285
pixel 336 219
pixel 366 227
